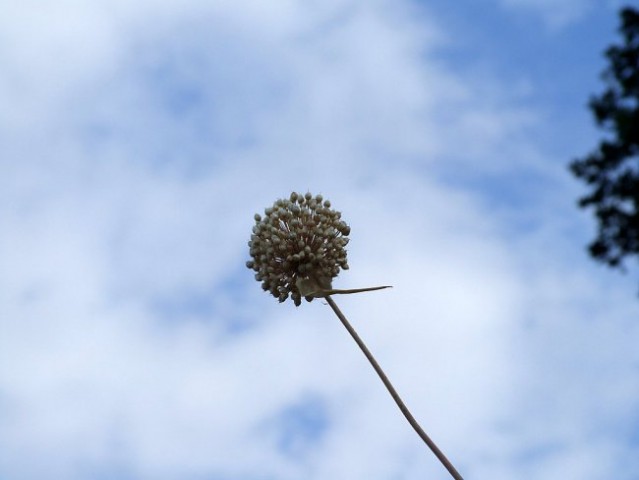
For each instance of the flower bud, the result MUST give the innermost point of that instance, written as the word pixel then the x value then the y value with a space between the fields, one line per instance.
pixel 298 238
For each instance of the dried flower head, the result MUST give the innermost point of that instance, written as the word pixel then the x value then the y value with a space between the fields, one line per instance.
pixel 300 240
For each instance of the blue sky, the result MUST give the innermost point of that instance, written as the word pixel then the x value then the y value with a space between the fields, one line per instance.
pixel 138 140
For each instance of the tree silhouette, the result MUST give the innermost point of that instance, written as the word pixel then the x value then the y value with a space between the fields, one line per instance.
pixel 612 170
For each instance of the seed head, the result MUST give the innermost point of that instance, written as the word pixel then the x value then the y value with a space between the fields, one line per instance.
pixel 298 238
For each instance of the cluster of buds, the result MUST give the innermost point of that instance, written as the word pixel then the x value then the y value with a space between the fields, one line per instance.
pixel 299 241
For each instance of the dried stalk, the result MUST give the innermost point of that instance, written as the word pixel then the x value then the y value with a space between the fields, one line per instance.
pixel 389 386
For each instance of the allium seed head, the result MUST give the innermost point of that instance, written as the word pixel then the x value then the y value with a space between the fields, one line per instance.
pixel 298 238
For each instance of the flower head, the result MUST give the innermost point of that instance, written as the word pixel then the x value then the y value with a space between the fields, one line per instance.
pixel 300 238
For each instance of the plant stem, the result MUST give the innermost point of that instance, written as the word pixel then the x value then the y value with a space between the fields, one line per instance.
pixel 438 453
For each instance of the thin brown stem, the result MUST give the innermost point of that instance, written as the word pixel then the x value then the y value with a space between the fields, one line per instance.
pixel 434 448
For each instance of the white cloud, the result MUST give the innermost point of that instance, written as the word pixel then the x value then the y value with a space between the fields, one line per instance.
pixel 139 139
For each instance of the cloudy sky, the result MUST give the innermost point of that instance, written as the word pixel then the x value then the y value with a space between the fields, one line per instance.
pixel 138 138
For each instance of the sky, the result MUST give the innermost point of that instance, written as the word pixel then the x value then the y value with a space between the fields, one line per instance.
pixel 140 137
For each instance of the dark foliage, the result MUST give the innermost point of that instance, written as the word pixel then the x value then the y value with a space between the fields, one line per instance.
pixel 612 170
